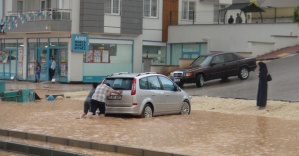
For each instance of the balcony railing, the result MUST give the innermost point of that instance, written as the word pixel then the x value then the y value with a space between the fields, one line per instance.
pixel 49 14
pixel 216 17
pixel 15 19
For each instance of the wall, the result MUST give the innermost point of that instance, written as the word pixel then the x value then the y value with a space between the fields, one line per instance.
pixel 170 16
pixel 91 16
pixel 152 27
pixel 234 38
pixel 131 17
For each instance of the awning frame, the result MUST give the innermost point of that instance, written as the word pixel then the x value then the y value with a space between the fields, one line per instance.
pixel 244 7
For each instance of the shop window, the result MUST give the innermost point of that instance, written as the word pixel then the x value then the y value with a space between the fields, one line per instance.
pixel 156 53
pixel 100 53
pixel 31 63
pixel 97 56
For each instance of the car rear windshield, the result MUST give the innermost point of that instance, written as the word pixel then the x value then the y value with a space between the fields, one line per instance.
pixel 120 83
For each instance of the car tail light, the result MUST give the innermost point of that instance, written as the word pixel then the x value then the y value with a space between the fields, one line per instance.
pixel 133 91
pixel 134 104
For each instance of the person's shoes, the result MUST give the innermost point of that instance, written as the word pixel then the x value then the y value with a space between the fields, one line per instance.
pixel 98 112
pixel 82 115
pixel 89 115
pixel 260 108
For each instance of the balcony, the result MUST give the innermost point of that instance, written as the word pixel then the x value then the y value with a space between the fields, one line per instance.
pixel 37 21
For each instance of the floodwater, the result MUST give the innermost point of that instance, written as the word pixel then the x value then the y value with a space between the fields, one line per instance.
pixel 200 133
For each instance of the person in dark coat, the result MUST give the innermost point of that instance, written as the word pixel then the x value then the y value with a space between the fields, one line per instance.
pixel 263 86
pixel 231 20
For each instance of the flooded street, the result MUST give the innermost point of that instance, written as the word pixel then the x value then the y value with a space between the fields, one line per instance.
pixel 200 133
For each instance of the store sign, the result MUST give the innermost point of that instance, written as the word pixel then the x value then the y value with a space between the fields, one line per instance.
pixel 80 43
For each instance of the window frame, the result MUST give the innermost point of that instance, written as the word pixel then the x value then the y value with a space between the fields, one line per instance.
pixel 111 9
pixel 150 9
pixel 186 10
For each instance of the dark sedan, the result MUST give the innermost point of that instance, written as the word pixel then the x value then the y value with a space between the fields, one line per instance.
pixel 214 66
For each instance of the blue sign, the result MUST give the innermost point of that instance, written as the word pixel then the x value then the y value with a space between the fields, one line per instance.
pixel 80 43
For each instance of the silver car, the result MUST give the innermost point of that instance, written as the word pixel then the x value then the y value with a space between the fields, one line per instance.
pixel 146 95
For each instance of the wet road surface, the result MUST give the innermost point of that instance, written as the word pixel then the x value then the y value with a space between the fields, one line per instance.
pixel 283 87
pixel 201 133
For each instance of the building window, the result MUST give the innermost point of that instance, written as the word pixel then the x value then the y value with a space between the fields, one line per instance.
pixel 219 15
pixel 112 7
pixel 188 10
pixel 20 6
pixel 150 8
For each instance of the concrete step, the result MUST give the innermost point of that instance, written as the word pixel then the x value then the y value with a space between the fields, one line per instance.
pixel 31 147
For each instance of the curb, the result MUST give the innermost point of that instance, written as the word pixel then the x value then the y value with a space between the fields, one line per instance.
pixel 78 143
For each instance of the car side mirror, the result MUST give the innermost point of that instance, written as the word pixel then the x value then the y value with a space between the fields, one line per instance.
pixel 175 88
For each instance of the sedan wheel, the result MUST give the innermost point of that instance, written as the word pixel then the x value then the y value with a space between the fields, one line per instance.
pixel 199 80
pixel 147 111
pixel 185 109
pixel 243 73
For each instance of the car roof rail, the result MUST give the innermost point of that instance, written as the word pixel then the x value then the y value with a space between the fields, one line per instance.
pixel 119 73
pixel 147 73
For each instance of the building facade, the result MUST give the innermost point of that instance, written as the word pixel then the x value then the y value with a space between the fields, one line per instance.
pixel 119 33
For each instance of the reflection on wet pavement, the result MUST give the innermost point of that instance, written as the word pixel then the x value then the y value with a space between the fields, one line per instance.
pixel 201 133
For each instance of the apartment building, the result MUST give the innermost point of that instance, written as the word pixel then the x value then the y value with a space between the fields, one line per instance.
pixel 89 39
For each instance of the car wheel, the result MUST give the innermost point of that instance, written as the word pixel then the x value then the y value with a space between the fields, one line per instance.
pixel 243 73
pixel 199 80
pixel 185 109
pixel 147 111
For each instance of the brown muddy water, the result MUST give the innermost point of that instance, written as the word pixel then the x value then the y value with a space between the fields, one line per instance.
pixel 200 133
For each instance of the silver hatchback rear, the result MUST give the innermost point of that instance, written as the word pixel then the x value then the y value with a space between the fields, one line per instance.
pixel 146 95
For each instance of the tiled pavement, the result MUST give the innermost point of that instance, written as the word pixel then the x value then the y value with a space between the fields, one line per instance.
pixel 279 53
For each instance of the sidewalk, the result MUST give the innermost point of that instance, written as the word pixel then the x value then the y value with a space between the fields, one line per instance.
pixel 279 53
pixel 46 85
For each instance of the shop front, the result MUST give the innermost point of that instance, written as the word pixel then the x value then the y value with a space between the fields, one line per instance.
pixel 105 57
pixel 42 49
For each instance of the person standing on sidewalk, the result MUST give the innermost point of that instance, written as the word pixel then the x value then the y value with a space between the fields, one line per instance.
pixel 53 67
pixel 262 92
pixel 50 71
pixel 98 99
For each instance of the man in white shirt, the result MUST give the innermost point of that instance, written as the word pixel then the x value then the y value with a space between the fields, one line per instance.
pixel 53 66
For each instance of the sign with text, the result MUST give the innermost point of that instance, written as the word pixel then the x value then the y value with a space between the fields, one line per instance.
pixel 80 43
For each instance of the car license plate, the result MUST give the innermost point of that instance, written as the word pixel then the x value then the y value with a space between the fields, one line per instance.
pixel 114 97
pixel 176 80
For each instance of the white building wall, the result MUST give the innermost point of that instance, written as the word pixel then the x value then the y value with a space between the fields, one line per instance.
pixel 152 27
pixel 75 62
pixel 234 38
pixel 112 24
pixel 8 7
